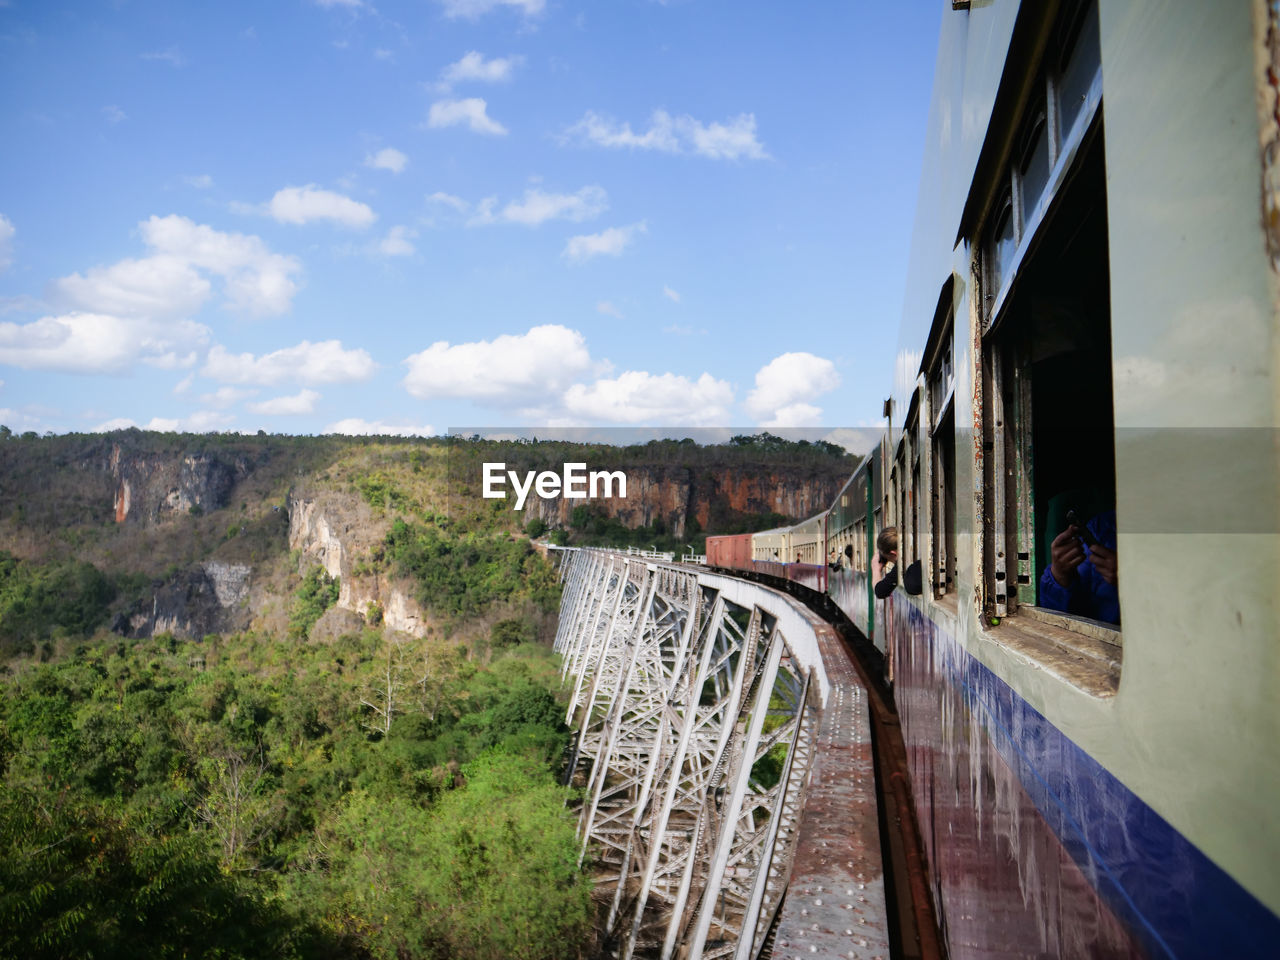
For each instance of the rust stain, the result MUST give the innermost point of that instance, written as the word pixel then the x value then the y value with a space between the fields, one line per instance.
pixel 1269 110
pixel 122 501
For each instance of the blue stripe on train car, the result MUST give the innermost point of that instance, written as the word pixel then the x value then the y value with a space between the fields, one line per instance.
pixel 1174 899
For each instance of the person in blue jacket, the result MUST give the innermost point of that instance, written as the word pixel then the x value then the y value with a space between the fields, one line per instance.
pixel 1081 578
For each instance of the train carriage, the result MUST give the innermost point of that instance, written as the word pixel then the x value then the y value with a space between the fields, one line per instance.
pixel 1090 334
pixel 1087 362
pixel 851 535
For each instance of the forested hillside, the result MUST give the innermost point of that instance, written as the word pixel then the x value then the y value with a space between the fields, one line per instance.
pixel 292 697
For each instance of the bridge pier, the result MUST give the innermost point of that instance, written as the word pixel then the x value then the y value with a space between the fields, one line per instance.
pixel 697 701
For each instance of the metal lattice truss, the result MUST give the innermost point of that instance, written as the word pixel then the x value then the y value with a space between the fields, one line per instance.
pixel 693 743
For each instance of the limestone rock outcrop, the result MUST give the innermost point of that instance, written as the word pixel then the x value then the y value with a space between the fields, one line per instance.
pixel 153 487
pixel 335 530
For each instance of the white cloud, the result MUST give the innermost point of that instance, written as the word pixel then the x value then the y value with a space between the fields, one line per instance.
pixel 351 4
pixel 166 284
pixel 684 331
pixel 356 427
pixel 18 420
pixel 22 303
pixel 610 242
pixel 304 204
pixel 202 421
pixel 670 294
pixel 398 242
pixel 856 441
pixel 449 200
pixel 472 9
pixel 784 387
pixel 796 415
pixel 388 158
pixel 506 370
pixel 537 207
pixel 115 423
pixel 310 363
pixel 471 111
pixel 99 343
pixel 639 397
pixel 172 56
pixel 114 114
pixel 383 54
pixel 162 286
pixel 183 385
pixel 473 66
pixel 201 181
pixel 7 232
pixel 226 397
pixel 731 140
pixel 601 131
pixel 299 403
pixel 608 309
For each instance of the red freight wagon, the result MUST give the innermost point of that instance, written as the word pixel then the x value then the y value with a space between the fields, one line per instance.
pixel 730 553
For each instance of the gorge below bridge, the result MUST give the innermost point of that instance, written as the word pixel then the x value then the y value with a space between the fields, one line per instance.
pixel 723 742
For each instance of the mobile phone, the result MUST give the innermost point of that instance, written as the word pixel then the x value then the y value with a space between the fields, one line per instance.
pixel 1086 534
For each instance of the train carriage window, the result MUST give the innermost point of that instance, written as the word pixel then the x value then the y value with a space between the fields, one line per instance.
pixel 1077 81
pixel 1048 424
pixel 907 475
pixel 942 454
pixel 1000 249
pixel 1033 172
pixel 1051 131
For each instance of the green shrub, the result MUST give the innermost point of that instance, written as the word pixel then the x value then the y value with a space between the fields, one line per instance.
pixel 464 576
pixel 318 593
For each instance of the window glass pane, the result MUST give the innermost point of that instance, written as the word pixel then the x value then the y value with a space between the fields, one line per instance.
pixel 1035 170
pixel 1078 72
pixel 1000 253
pixel 941 377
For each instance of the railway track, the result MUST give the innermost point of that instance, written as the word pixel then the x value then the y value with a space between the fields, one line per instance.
pixel 913 925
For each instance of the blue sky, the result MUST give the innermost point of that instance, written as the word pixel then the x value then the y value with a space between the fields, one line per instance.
pixel 314 216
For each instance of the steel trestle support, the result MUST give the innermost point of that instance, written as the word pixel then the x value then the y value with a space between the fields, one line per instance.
pixel 696 701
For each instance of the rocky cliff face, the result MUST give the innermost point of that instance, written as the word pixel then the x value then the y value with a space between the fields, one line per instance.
pixel 168 498
pixel 150 488
pixel 334 530
pixel 209 598
pixel 673 494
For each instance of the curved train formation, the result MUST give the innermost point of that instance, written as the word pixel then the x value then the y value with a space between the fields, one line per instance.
pixel 1090 323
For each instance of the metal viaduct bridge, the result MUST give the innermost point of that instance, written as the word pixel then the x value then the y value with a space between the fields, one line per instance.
pixel 723 739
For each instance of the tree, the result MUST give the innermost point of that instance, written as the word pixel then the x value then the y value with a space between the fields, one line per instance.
pixel 489 874
pixel 384 689
pixel 236 802
pixel 443 672
pixel 510 633
pixel 503 877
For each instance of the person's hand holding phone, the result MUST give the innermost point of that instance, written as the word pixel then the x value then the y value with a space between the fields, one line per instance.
pixel 1065 554
pixel 1104 561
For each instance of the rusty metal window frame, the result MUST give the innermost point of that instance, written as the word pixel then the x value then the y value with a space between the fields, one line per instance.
pixel 1008 575
pixel 1063 146
pixel 907 551
pixel 942 482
